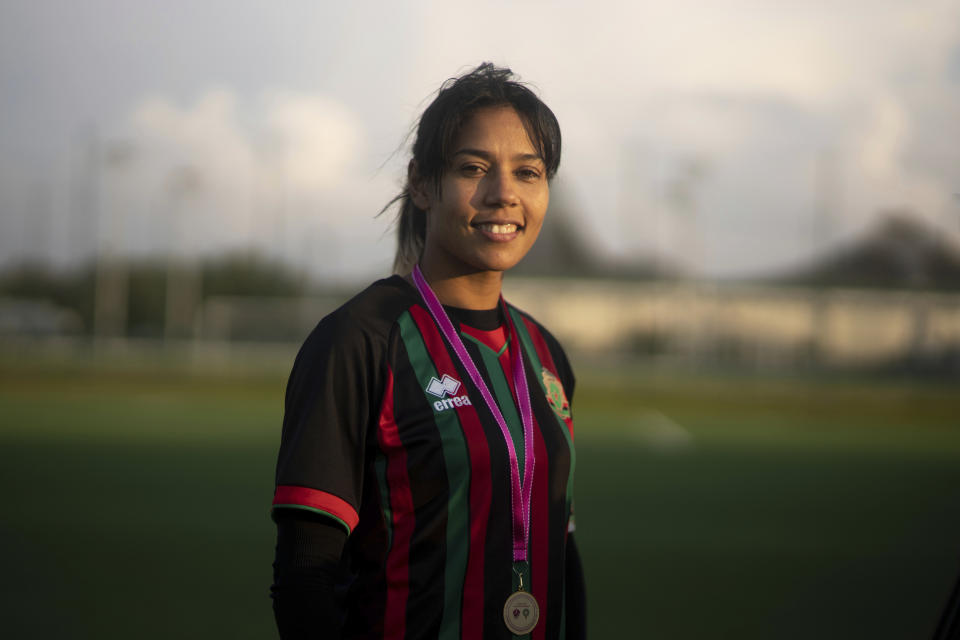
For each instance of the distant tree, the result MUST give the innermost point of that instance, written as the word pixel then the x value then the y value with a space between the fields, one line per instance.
pixel 250 274
pixel 146 297
pixel 72 289
pixel 233 274
pixel 900 252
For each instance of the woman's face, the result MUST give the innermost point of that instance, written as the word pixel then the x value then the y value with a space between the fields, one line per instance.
pixel 494 195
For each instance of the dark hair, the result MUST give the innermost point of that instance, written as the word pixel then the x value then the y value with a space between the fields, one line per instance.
pixel 437 131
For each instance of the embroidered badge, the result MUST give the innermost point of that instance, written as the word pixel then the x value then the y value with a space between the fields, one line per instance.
pixel 555 395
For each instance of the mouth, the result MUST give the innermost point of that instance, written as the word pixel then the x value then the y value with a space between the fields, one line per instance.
pixel 498 231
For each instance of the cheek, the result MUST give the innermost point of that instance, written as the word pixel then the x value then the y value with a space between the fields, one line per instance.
pixel 442 226
pixel 541 209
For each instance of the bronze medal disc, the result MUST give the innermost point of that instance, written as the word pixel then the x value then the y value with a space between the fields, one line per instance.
pixel 521 613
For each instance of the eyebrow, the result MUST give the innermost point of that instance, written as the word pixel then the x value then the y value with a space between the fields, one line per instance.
pixel 486 155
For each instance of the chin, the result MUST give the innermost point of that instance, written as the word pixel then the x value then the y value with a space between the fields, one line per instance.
pixel 502 260
pixel 497 263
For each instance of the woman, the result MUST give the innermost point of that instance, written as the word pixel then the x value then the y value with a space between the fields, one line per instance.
pixel 425 474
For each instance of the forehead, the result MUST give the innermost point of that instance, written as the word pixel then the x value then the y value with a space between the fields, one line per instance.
pixel 495 129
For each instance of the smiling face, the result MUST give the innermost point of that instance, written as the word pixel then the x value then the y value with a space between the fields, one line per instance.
pixel 492 201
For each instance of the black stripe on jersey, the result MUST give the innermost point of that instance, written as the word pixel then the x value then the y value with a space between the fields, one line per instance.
pixel 559 463
pixel 367 611
pixel 496 556
pixel 430 490
pixel 369 545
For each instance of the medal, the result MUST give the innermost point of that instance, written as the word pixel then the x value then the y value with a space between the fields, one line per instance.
pixel 521 612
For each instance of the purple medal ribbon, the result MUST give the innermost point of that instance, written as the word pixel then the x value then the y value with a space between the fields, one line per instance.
pixel 519 493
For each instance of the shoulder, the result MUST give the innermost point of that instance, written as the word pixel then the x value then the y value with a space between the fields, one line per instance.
pixel 537 331
pixel 359 330
pixel 533 323
pixel 551 352
pixel 366 318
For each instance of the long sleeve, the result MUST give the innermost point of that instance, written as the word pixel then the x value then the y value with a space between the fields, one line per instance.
pixel 576 593
pixel 305 567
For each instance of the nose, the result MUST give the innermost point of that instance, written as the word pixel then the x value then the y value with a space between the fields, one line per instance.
pixel 500 190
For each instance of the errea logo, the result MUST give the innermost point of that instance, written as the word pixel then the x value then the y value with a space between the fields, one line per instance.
pixel 447 386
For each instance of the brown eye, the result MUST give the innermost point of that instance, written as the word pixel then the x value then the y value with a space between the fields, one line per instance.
pixel 472 170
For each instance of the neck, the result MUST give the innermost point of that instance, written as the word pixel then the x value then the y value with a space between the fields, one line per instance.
pixel 477 290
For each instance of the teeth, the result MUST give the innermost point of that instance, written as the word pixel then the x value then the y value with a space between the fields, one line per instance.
pixel 498 228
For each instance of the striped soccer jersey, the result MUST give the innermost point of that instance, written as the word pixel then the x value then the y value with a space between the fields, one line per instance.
pixel 385 432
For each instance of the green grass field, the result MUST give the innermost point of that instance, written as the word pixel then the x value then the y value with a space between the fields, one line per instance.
pixel 137 497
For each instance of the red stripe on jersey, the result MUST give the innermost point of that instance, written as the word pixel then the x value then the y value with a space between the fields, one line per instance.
pixel 546 359
pixel 493 339
pixel 506 363
pixel 401 505
pixel 471 623
pixel 315 499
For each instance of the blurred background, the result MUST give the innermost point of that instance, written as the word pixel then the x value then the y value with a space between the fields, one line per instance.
pixel 752 255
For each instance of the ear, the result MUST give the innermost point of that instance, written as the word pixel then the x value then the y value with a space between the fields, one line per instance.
pixel 419 190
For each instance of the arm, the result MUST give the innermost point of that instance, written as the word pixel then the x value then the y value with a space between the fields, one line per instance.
pixel 305 566
pixel 576 594
pixel 319 475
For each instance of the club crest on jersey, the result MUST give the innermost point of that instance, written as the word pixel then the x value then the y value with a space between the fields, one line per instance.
pixel 446 389
pixel 556 398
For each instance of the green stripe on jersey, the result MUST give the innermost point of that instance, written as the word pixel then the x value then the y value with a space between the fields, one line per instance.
pixel 457 461
pixel 501 391
pixel 538 369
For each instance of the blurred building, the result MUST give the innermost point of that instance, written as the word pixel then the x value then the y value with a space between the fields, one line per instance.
pixel 753 325
pixel 890 299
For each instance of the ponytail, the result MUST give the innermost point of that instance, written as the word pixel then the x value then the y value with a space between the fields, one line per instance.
pixel 411 234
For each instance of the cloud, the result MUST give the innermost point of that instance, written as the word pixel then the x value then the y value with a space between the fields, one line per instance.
pixel 759 91
pixel 206 136
pixel 762 91
pixel 279 172
pixel 313 140
pixel 320 139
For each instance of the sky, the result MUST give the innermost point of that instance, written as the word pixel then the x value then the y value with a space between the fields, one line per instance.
pixel 732 138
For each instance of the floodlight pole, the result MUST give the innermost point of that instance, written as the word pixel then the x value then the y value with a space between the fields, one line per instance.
pixel 183 278
pixel 112 280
